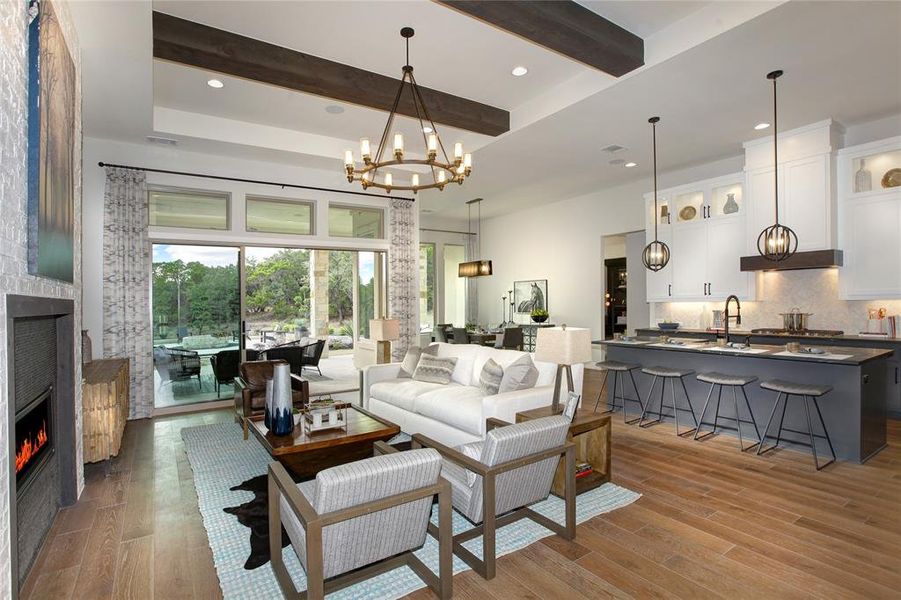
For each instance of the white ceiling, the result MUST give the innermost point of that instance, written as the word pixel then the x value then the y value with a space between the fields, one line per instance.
pixel 704 77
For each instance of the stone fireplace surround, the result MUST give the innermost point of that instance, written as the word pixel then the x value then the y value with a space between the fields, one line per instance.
pixel 62 467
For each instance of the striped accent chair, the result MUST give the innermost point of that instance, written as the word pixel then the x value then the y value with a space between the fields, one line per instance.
pixel 494 481
pixel 361 519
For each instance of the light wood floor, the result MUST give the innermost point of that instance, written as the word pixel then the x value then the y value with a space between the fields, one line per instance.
pixel 711 523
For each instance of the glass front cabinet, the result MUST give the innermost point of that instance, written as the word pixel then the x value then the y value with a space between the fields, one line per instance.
pixel 869 220
pixel 704 225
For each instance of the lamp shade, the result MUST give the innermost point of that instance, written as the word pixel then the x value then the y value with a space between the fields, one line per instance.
pixel 563 345
pixel 474 268
pixel 384 330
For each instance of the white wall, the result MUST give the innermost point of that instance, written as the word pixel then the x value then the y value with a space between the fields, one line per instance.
pixel 561 242
pixel 14 277
pixel 173 158
pixel 638 311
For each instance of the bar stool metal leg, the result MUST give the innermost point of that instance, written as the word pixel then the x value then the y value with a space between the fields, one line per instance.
pixel 766 430
pixel 597 401
pixel 741 443
pixel 813 447
pixel 688 401
pixel 753 420
pixel 647 405
pixel 704 412
pixel 637 397
pixel 816 405
pixel 782 419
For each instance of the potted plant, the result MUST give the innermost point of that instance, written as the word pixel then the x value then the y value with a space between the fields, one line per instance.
pixel 539 315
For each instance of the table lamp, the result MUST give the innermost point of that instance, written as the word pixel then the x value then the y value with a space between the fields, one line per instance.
pixel 383 332
pixel 565 346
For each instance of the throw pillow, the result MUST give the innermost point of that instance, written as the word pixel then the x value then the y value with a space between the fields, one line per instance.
pixel 520 375
pixel 472 450
pixel 411 359
pixel 463 371
pixel 490 378
pixel 432 369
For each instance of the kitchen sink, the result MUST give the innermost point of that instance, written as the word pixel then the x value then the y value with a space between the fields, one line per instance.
pixel 733 350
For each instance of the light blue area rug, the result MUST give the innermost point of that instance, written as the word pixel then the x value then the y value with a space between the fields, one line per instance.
pixel 221 459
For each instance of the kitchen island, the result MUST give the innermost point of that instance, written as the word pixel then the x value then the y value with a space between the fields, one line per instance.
pixel 854 411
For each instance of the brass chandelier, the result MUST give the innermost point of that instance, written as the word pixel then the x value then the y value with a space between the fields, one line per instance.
pixel 443 170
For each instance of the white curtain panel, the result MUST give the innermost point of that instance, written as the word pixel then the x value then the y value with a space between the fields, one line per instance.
pixel 126 283
pixel 472 283
pixel 403 265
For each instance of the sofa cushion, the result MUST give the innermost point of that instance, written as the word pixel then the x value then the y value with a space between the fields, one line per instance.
pixel 521 375
pixel 472 450
pixel 455 405
pixel 490 377
pixel 411 359
pixel 434 370
pixel 402 392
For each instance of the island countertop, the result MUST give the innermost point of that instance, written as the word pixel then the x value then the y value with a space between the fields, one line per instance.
pixel 838 355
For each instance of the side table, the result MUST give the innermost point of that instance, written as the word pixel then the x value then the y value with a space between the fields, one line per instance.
pixel 591 434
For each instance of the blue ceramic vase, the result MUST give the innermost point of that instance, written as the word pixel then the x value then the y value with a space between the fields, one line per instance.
pixel 281 414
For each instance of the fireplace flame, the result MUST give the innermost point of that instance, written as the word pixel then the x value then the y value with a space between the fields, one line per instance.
pixel 30 447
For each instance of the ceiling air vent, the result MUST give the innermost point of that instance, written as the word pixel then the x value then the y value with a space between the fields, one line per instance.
pixel 153 139
pixel 613 148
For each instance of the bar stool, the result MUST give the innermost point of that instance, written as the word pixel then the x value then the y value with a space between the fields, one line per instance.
pixel 615 367
pixel 733 381
pixel 809 392
pixel 671 375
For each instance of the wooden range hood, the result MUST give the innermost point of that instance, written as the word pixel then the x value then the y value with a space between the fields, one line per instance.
pixel 814 259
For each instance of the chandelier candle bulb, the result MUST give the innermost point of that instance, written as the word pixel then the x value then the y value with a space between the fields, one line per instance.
pixel 389 180
pixel 364 149
pixel 467 160
pixel 414 181
pixel 348 158
pixel 458 151
pixel 399 143
pixel 442 178
pixel 433 145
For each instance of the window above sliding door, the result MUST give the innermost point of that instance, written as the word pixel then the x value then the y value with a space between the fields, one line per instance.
pixel 191 209
pixel 279 215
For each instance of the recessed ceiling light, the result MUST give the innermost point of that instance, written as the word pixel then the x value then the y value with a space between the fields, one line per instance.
pixel 760 126
pixel 519 71
pixel 427 129
pixel 215 83
pixel 629 165
pixel 616 162
pixel 334 109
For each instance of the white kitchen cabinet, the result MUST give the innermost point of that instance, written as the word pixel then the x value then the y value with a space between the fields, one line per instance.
pixel 689 258
pixel 869 223
pixel 705 231
pixel 806 195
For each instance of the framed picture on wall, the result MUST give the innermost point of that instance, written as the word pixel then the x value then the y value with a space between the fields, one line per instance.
pixel 51 146
pixel 530 295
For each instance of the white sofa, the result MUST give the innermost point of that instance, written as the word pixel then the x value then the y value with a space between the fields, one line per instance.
pixel 455 413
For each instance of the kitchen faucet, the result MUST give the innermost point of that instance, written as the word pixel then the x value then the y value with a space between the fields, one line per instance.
pixel 727 317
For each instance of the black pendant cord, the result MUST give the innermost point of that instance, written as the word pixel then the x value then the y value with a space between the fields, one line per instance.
pixel 653 121
pixel 776 147
pixel 254 181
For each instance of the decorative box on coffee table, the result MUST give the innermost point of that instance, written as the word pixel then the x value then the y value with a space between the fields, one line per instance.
pixel 590 432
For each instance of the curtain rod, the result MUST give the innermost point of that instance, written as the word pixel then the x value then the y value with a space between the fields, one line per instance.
pixel 446 231
pixel 256 181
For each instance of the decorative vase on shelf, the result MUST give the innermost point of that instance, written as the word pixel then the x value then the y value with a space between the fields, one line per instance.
pixel 863 179
pixel 281 414
pixel 731 206
pixel 267 412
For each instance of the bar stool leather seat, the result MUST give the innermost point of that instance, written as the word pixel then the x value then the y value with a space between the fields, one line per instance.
pixel 796 389
pixel 614 365
pixel 666 372
pixel 723 379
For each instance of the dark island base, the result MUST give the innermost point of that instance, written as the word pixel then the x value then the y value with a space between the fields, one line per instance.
pixel 854 411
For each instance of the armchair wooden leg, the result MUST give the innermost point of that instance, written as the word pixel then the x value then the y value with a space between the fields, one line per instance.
pixel 315 567
pixel 244 427
pixel 275 545
pixel 445 543
pixel 489 522
pixel 570 492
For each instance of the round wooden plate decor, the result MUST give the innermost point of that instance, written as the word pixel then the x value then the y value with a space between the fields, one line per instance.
pixel 892 178
pixel 688 213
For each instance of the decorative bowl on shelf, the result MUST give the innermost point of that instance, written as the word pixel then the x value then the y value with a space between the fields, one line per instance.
pixel 667 326
pixel 539 316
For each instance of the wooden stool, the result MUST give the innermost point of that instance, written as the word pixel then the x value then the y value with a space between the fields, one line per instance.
pixel 671 375
pixel 809 392
pixel 615 367
pixel 733 381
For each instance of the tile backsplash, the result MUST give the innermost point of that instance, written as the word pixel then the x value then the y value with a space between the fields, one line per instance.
pixel 815 291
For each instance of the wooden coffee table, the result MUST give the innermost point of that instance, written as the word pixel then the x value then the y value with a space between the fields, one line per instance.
pixel 305 455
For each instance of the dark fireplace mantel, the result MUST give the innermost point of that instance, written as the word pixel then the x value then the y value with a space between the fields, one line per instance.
pixel 52 483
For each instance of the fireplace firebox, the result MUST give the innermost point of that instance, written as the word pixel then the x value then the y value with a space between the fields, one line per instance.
pixel 34 437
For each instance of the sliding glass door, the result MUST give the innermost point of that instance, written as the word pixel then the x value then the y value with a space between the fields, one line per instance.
pixel 210 303
pixel 196 311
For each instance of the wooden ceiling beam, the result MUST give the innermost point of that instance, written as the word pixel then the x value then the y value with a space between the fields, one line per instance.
pixel 189 43
pixel 563 26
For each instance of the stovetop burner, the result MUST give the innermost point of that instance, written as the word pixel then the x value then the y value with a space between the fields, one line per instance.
pixel 804 333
